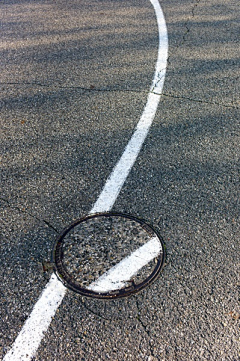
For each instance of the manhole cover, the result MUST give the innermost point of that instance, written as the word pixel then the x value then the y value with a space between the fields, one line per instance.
pixel 108 255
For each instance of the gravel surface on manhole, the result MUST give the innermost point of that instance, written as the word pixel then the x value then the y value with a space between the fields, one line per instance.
pixel 92 246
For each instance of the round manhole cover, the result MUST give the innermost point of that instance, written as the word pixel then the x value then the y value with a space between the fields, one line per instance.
pixel 108 255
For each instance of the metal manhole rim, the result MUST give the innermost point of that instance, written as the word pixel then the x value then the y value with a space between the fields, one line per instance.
pixel 66 279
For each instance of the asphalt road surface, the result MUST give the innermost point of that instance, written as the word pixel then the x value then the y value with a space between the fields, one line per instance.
pixel 75 78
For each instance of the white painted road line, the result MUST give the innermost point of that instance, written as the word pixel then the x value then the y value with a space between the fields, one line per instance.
pixel 29 338
pixel 119 174
pixel 117 178
pixel 117 276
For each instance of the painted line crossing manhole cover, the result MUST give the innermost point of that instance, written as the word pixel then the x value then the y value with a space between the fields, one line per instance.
pixel 108 255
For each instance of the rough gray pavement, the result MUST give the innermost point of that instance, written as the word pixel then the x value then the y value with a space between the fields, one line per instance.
pixel 74 81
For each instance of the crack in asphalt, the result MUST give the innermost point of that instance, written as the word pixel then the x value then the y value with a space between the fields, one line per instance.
pixel 20 209
pixel 91 88
pixel 187 31
pixel 195 5
pixel 95 313
pixel 144 328
pixel 94 89
pixel 169 95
